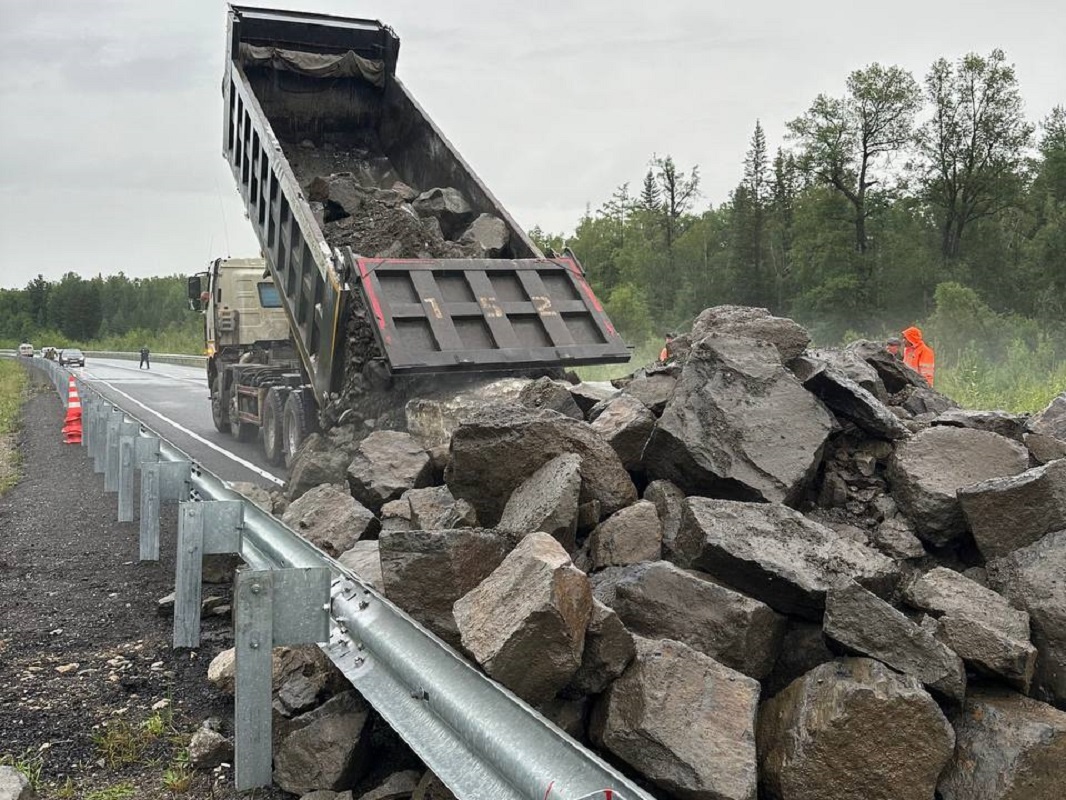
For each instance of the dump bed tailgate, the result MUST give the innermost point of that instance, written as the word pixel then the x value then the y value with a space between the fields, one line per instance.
pixel 447 315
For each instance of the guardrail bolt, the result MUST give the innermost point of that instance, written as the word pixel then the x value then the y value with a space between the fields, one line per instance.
pixel 256 588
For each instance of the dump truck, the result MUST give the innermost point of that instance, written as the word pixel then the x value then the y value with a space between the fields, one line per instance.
pixel 332 154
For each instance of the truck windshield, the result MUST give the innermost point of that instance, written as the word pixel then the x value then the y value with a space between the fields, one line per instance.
pixel 268 296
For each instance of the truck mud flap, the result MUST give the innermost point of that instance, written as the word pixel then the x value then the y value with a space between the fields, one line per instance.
pixel 445 315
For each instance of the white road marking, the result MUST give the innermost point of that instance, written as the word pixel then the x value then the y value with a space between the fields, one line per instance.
pixel 232 456
pixel 110 364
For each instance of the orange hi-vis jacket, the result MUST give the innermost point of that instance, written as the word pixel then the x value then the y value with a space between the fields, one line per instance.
pixel 918 355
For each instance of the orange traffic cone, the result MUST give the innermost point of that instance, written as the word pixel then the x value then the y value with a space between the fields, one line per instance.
pixel 72 424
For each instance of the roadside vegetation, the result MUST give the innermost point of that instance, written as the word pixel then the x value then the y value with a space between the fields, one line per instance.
pixel 12 392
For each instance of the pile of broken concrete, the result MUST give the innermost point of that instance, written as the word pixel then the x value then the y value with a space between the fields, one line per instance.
pixel 759 569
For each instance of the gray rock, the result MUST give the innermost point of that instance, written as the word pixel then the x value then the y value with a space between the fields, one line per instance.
pixel 569 714
pixel 847 362
pixel 776 555
pixel 432 420
pixel 654 390
pixel 1032 578
pixel 848 399
pixel 684 721
pixel 325 748
pixel 340 194
pixel 255 493
pixel 315 463
pixel 487 237
pixel 364 559
pixel 1008 747
pixel 626 424
pixel 1051 421
pixel 1007 513
pixel 494 451
pixel 788 338
pixel 802 649
pixel 208 748
pixel 547 501
pixel 300 693
pixel 739 426
pixel 525 623
pixel 627 537
pixel 222 670
pixel 448 207
pixel 976 623
pixel 927 470
pixel 326 794
pixel 385 465
pixel 894 374
pixel 551 395
pixel 1002 422
pixel 662 600
pixel 852 729
pixel 330 518
pixel 396 516
pixel 430 787
pixel 608 651
pixel 667 498
pixel 864 623
pixel 588 393
pixel 1044 449
pixel 398 786
pixel 425 572
pixel 433 508
pixel 14 785
pixel 895 538
pixel 925 403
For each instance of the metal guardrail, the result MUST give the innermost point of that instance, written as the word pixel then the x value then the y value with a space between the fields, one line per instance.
pixel 480 739
pixel 163 358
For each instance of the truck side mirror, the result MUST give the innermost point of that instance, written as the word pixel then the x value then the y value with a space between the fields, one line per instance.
pixel 195 289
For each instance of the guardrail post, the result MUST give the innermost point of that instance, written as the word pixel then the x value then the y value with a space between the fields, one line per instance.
pixel 160 481
pixel 86 413
pixel 204 528
pixel 109 416
pixel 127 463
pixel 271 608
pixel 114 428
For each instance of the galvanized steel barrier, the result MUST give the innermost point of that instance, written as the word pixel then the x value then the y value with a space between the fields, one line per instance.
pixel 479 739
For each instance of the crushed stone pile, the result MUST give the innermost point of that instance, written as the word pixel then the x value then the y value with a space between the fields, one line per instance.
pixel 760 570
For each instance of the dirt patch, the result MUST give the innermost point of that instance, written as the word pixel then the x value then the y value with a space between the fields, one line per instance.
pixel 91 691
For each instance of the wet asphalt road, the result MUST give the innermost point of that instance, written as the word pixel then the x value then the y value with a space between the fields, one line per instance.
pixel 173 401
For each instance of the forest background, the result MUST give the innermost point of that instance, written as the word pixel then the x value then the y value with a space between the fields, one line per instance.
pixel 901 201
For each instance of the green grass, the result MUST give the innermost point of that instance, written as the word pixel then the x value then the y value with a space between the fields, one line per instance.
pixel 1005 387
pixel 120 791
pixel 643 354
pixel 30 764
pixel 12 392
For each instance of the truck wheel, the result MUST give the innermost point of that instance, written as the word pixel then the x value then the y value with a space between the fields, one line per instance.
pixel 240 430
pixel 219 405
pixel 298 423
pixel 273 422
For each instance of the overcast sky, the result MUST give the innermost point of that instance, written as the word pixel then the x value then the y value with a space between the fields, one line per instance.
pixel 110 110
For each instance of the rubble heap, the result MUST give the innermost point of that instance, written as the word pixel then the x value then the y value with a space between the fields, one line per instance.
pixel 759 570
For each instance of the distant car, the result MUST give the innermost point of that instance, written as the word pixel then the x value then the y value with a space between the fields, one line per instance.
pixel 26 350
pixel 71 357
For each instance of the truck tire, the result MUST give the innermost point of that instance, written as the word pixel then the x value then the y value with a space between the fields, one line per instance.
pixel 219 405
pixel 273 423
pixel 299 422
pixel 240 430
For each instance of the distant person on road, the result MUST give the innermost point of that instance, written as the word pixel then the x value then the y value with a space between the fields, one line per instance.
pixel 145 363
pixel 918 355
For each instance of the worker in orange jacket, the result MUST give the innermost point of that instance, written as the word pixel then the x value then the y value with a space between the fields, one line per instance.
pixel 918 355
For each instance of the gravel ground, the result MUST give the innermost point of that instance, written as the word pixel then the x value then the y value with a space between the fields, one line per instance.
pixel 85 657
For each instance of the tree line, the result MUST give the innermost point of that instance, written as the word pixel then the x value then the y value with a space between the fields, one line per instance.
pixel 876 198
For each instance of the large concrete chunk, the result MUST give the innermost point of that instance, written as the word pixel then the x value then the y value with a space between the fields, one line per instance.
pixel 866 624
pixel 1007 513
pixel 632 535
pixel 1033 578
pixel 608 651
pixel 927 470
pixel 325 748
pixel 425 572
pixel 852 729
pixel 978 624
pixel 547 501
pixel 683 720
pixel 788 337
pixel 662 600
pixel 525 623
pixel 667 498
pixel 776 555
pixel 739 425
pixel 433 420
pixel 316 462
pixel 385 465
pixel 494 451
pixel 848 399
pixel 1008 747
pixel 329 517
pixel 626 424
